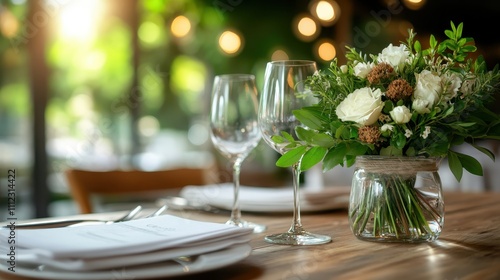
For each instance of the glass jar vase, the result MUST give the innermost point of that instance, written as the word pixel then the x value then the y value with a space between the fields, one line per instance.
pixel 396 199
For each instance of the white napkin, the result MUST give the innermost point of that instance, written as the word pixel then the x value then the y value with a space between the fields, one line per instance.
pixel 127 243
pixel 265 199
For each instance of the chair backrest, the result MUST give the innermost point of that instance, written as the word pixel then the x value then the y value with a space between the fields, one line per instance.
pixel 84 183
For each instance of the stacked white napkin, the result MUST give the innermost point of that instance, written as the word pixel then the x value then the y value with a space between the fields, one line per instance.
pixel 266 199
pixel 121 244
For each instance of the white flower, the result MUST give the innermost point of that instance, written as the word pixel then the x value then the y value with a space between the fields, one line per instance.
pixel 426 132
pixel 395 56
pixel 420 106
pixel 386 127
pixel 339 81
pixel 427 88
pixel 343 68
pixel 468 85
pixel 451 84
pixel 408 133
pixel 400 114
pixel 362 69
pixel 362 106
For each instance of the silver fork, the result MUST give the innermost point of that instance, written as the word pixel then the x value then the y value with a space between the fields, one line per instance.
pixel 77 222
pixel 157 212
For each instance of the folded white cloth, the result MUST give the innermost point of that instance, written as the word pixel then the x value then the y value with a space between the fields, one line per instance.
pixel 265 199
pixel 127 243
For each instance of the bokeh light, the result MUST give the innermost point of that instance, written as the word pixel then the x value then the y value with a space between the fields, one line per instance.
pixel 279 54
pixel 326 11
pixel 305 28
pixel 414 4
pixel 148 126
pixel 181 26
pixel 325 50
pixel 230 42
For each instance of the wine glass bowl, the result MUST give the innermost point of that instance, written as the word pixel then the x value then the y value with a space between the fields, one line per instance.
pixel 234 128
pixel 285 91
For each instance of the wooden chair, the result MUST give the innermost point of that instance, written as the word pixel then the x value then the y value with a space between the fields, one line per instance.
pixel 85 183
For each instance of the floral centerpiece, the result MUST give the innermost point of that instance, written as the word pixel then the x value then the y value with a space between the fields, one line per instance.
pixel 406 101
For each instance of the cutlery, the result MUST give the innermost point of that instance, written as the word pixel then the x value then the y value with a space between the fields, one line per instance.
pixel 74 222
pixel 180 203
pixel 158 212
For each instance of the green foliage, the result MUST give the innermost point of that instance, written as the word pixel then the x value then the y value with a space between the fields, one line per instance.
pixel 446 106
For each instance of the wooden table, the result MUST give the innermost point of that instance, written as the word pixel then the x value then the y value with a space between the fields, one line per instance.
pixel 468 248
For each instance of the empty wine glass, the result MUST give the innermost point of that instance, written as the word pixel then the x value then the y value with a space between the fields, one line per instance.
pixel 285 91
pixel 234 129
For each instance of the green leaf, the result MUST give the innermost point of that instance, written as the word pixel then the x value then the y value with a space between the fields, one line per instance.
pixel 417 46
pixel 449 34
pixel 455 165
pixel 308 119
pixel 335 156
pixel 278 139
pixel 322 140
pixel 470 164
pixel 485 151
pixel 312 157
pixel 356 149
pixel 287 136
pixel 304 134
pixel 391 151
pixel 291 157
pixel 469 48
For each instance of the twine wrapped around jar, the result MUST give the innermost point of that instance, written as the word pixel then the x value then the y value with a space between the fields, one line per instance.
pixel 401 165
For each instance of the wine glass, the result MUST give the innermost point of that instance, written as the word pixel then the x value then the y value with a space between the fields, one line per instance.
pixel 285 91
pixel 234 129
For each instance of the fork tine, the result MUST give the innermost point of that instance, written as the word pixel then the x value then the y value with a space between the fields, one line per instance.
pixel 158 212
pixel 130 215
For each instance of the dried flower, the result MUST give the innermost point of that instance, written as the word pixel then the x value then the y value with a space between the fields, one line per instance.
pixel 379 73
pixel 399 89
pixel 369 134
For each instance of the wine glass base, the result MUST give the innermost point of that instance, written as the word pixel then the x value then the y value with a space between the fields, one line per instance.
pixel 301 238
pixel 257 228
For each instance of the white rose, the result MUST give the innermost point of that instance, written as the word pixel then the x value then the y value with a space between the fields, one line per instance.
pixel 428 87
pixel 362 69
pixel 400 114
pixel 420 106
pixel 362 106
pixel 451 84
pixel 395 56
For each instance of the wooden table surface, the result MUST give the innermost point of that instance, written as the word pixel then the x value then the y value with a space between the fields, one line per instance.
pixel 468 248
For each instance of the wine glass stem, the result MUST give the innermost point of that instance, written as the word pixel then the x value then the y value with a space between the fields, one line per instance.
pixel 296 226
pixel 236 212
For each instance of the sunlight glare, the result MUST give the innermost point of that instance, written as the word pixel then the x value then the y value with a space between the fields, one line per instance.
pixel 78 18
